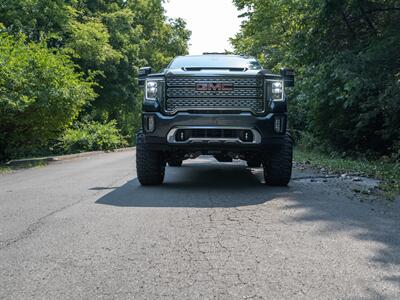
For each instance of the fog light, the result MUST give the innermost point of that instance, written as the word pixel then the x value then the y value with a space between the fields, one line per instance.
pixel 279 124
pixel 180 136
pixel 149 123
pixel 247 136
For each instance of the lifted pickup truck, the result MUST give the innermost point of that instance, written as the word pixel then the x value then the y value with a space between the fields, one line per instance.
pixel 227 106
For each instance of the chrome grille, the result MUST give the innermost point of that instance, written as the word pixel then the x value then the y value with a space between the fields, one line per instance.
pixel 247 95
pixel 236 93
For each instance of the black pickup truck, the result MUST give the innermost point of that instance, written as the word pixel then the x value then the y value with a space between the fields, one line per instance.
pixel 227 106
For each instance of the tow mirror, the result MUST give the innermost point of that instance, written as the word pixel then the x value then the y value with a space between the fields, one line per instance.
pixel 143 73
pixel 288 76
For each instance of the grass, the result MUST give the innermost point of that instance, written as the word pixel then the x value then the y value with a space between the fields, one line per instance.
pixel 388 173
pixel 4 168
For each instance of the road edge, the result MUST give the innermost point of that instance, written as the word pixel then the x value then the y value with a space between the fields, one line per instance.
pixel 49 159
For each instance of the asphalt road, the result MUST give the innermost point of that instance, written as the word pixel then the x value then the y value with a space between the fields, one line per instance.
pixel 85 229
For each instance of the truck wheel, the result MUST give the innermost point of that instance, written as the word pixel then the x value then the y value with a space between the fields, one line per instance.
pixel 175 162
pixel 150 166
pixel 253 163
pixel 278 166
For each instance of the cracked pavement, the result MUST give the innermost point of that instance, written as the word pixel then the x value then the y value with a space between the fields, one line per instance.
pixel 84 228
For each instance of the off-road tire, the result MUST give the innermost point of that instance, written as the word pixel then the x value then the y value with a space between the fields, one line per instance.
pixel 150 166
pixel 278 164
pixel 253 163
pixel 174 162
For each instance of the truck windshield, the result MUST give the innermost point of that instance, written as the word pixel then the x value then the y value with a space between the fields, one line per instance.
pixel 215 61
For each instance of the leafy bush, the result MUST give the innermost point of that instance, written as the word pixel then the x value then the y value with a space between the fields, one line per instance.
pixel 40 95
pixel 92 136
pixel 353 101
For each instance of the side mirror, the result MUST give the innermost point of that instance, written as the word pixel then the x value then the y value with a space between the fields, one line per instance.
pixel 143 73
pixel 288 76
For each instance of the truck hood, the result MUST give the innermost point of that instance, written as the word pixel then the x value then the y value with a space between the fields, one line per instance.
pixel 214 72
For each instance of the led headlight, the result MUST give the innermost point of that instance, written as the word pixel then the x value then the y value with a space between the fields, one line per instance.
pixel 152 90
pixel 277 90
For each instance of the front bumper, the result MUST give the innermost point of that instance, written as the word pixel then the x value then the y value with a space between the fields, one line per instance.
pixel 163 125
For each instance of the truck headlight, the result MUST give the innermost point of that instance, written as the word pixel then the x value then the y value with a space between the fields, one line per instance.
pixel 277 90
pixel 152 90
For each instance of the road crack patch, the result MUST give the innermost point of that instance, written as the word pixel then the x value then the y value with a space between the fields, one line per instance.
pixel 40 222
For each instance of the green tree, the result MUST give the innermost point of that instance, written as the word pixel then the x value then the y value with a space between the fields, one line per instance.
pixel 35 17
pixel 347 61
pixel 108 41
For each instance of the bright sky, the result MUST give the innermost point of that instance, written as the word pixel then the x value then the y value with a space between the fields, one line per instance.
pixel 212 22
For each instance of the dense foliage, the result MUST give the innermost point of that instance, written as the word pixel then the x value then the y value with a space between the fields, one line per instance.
pixel 40 95
pixel 347 58
pixel 66 60
pixel 88 136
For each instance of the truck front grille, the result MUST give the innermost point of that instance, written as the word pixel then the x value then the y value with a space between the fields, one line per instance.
pixel 233 104
pixel 247 95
